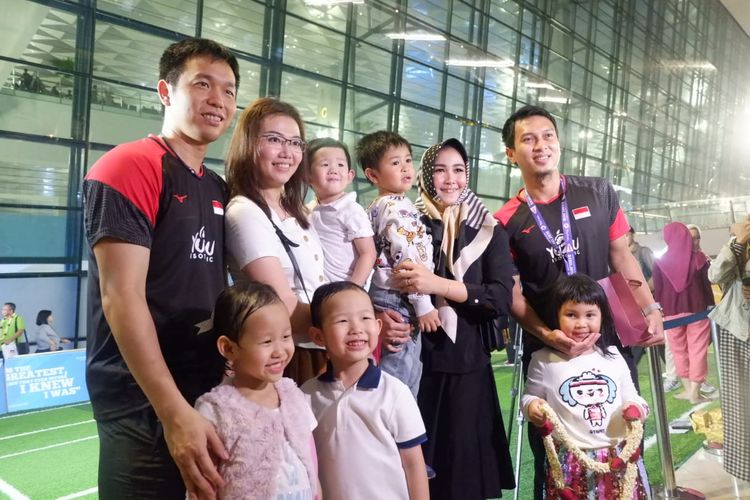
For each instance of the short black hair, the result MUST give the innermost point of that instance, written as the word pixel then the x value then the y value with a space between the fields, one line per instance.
pixel 11 305
pixel 325 142
pixel 42 317
pixel 581 289
pixel 509 129
pixel 236 303
pixel 372 147
pixel 174 58
pixel 325 292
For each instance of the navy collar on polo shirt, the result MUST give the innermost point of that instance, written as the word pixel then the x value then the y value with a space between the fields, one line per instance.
pixel 369 379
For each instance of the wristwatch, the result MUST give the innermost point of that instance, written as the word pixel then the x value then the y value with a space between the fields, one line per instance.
pixel 651 308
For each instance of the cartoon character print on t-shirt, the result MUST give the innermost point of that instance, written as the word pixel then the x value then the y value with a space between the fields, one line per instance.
pixel 591 391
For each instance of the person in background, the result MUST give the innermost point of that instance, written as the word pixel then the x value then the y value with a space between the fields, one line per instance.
pixel 154 219
pixel 342 224
pixel 47 338
pixel 269 236
pixel 681 285
pixel 695 233
pixel 645 257
pixel 13 328
pixel 731 270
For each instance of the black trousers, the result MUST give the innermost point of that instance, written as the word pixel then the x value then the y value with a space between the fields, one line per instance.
pixel 134 462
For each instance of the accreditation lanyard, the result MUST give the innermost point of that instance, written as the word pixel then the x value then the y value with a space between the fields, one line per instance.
pixel 567 246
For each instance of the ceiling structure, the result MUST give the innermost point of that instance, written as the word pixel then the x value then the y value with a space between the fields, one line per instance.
pixel 740 10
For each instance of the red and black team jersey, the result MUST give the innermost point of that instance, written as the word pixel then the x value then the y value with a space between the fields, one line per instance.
pixel 142 193
pixel 596 218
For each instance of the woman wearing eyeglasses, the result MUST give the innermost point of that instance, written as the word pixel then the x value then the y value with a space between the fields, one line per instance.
pixel 268 235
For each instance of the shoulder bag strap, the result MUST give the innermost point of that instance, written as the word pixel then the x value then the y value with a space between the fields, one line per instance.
pixel 288 244
pixel 15 328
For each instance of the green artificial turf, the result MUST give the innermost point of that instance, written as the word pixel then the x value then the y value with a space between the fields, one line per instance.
pixel 57 456
pixel 36 467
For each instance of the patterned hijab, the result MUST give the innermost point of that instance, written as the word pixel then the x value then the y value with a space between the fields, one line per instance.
pixel 467 210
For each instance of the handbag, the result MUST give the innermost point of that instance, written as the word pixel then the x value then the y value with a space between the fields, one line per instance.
pixel 494 333
pixel 631 325
pixel 9 350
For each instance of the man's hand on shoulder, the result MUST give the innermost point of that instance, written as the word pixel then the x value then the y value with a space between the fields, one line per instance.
pixel 195 446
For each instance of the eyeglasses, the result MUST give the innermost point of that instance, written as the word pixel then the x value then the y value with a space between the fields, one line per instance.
pixel 277 142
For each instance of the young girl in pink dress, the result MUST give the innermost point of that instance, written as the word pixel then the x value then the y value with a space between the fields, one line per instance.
pixel 262 419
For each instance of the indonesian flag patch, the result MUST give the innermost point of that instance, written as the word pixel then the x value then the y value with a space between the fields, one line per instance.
pixel 581 212
pixel 219 208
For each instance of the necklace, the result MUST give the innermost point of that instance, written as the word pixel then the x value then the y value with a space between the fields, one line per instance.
pixel 628 456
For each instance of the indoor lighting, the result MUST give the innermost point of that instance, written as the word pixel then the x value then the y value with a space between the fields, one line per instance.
pixel 427 37
pixel 324 3
pixel 677 64
pixel 480 63
pixel 555 99
pixel 533 85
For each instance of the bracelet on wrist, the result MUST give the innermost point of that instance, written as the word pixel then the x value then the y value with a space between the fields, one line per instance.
pixel 651 308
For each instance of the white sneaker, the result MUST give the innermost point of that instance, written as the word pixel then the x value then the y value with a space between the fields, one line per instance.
pixel 671 384
pixel 707 388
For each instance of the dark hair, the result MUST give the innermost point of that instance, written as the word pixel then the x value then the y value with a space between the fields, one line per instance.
pixel 580 289
pixel 11 305
pixel 372 147
pixel 325 292
pixel 236 303
pixel 509 129
pixel 42 317
pixel 324 142
pixel 174 58
pixel 243 176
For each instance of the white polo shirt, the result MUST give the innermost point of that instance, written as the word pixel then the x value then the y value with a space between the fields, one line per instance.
pixel 339 223
pixel 359 433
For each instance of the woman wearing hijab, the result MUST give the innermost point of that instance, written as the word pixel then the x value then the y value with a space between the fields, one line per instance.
pixel 681 286
pixel 472 285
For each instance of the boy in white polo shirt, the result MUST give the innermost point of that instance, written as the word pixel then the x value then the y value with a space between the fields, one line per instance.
pixel 369 431
pixel 342 225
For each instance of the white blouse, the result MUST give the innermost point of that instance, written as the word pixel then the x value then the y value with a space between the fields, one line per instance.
pixel 250 236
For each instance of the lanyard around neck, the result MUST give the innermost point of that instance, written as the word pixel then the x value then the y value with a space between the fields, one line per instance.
pixel 566 249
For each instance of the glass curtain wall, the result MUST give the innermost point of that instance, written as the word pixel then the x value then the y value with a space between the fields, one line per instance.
pixel 648 93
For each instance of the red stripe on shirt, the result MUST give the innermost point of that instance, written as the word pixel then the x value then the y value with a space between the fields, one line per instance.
pixel 619 227
pixel 134 170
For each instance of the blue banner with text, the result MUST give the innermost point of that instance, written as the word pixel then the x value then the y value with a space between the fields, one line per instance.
pixel 42 380
pixel 3 405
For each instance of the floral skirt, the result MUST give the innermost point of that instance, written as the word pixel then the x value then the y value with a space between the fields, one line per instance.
pixel 590 485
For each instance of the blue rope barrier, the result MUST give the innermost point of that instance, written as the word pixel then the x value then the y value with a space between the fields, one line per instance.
pixel 685 320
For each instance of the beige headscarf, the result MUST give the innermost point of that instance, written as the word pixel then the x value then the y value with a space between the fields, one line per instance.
pixel 467 210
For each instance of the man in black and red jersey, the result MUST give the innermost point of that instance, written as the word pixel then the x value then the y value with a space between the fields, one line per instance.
pixel 543 247
pixel 154 217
